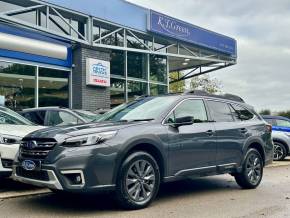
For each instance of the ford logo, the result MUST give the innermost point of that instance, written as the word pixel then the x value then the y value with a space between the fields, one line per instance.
pixel 29 145
pixel 28 165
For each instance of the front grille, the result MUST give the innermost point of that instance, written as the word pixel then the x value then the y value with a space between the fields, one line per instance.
pixel 7 163
pixel 36 175
pixel 36 148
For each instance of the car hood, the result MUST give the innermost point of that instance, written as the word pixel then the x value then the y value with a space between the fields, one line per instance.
pixel 60 133
pixel 18 130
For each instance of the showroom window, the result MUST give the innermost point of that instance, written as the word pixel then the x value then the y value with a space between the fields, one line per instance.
pixel 117 92
pixel 136 89
pixel 137 65
pixel 158 68
pixel 18 82
pixel 17 85
pixel 156 89
pixel 117 63
pixel 53 88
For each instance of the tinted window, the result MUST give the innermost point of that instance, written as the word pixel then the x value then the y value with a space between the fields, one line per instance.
pixel 271 121
pixel 60 118
pixel 240 113
pixel 283 123
pixel 192 108
pixel 36 117
pixel 8 116
pixel 220 111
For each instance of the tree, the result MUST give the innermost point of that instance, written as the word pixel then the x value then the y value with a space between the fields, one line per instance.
pixel 265 112
pixel 206 83
pixel 284 114
pixel 177 86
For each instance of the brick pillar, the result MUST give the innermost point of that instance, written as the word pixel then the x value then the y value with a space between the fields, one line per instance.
pixel 83 96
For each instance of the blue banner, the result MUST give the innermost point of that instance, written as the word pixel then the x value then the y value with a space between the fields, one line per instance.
pixel 180 30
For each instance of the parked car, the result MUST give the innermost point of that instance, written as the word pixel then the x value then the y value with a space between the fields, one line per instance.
pixel 138 145
pixel 13 128
pixel 56 116
pixel 281 136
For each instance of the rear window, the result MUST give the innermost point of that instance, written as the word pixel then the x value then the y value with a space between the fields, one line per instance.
pixel 240 113
pixel 36 117
pixel 271 121
pixel 220 111
pixel 283 123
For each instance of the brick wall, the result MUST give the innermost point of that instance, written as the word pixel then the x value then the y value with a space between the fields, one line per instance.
pixel 83 96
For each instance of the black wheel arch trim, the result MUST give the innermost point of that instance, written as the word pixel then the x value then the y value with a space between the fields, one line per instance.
pixel 254 142
pixel 138 144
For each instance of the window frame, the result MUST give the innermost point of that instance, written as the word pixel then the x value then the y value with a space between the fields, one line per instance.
pixel 231 106
pixel 211 115
pixel 164 121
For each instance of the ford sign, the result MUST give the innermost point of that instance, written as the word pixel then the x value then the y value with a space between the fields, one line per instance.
pixel 28 165
pixel 98 72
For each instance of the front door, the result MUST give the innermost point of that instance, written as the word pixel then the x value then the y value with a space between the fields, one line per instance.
pixel 191 147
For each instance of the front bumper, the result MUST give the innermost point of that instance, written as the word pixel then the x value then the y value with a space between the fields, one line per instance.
pixel 75 170
pixel 7 155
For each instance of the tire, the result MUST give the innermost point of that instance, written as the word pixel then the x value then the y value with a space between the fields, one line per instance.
pixel 252 172
pixel 137 189
pixel 280 151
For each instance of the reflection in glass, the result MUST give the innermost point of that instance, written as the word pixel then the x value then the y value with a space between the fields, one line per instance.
pixel 158 89
pixel 158 68
pixel 53 88
pixel 137 65
pixel 17 85
pixel 117 92
pixel 117 63
pixel 136 89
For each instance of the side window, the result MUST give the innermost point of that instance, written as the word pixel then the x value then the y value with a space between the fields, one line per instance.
pixel 60 118
pixel 7 119
pixel 283 123
pixel 271 121
pixel 36 117
pixel 193 108
pixel 240 113
pixel 220 111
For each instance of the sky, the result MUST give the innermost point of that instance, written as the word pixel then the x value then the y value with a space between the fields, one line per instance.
pixel 262 30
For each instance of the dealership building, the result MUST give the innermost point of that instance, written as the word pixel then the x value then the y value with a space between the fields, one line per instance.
pixel 98 54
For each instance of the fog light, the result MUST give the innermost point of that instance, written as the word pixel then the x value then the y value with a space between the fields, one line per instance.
pixel 74 177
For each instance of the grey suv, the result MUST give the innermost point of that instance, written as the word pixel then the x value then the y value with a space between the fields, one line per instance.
pixel 138 145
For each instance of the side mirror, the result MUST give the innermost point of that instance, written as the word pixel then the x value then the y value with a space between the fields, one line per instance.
pixel 183 121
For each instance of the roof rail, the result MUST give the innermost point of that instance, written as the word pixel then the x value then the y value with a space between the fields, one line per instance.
pixel 224 96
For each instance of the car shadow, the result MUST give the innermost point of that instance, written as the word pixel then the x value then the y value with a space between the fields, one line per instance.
pixel 7 185
pixel 105 202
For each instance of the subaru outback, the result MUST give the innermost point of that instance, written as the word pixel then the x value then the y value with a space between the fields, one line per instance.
pixel 137 146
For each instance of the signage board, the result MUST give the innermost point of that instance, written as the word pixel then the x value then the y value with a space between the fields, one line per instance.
pixel 180 30
pixel 98 72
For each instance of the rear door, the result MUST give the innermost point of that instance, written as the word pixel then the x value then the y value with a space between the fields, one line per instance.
pixel 230 133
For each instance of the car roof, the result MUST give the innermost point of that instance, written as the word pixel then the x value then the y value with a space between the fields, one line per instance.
pixel 44 108
pixel 275 117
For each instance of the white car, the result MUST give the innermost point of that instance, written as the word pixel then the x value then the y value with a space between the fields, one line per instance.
pixel 13 127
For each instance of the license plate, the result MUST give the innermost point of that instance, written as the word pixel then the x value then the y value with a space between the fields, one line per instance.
pixel 31 165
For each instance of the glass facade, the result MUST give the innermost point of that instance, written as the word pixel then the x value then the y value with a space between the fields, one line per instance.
pixel 142 74
pixel 18 84
pixel 53 88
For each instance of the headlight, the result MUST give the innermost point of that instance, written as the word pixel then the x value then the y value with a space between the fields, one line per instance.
pixel 8 139
pixel 91 139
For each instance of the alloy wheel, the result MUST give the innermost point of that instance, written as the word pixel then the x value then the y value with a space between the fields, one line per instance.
pixel 140 181
pixel 278 152
pixel 254 169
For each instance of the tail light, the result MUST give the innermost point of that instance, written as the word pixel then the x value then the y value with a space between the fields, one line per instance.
pixel 268 128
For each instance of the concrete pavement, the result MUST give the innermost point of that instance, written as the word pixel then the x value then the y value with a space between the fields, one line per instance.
pixel 214 197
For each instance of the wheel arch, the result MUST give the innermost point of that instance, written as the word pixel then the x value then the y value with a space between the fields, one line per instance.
pixel 145 146
pixel 283 143
pixel 258 145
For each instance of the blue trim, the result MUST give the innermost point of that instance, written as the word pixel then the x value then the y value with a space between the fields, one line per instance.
pixel 37 58
pixel 280 129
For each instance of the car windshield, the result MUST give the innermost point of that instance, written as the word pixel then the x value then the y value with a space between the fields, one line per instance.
pixel 149 108
pixel 87 115
pixel 8 116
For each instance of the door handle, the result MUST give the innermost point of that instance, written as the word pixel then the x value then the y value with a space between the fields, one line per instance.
pixel 243 130
pixel 210 132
